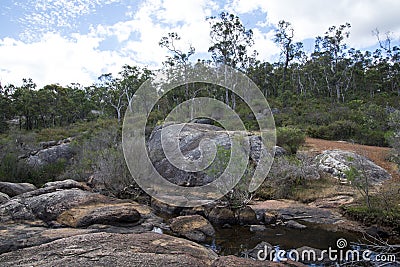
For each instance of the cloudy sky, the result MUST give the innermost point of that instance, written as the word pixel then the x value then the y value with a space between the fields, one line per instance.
pixel 66 41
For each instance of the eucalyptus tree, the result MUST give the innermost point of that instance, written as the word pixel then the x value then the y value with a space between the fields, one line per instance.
pixel 263 74
pixel 110 91
pixel 6 110
pixel 179 58
pixel 24 102
pixel 331 49
pixel 132 78
pixel 230 42
pixel 284 37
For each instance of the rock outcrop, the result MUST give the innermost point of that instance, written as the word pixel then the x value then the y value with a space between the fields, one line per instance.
pixel 14 189
pixel 65 224
pixel 221 216
pixel 289 212
pixel 340 162
pixel 51 152
pixel 189 139
pixel 193 227
pixel 246 216
pixel 26 218
pixel 16 236
pixel 112 213
pixel 4 198
pixel 111 249
pixel 286 210
pixel 66 184
pixel 295 225
pixel 46 204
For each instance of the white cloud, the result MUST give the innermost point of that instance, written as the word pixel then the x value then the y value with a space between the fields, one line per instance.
pixel 186 11
pixel 43 16
pixel 243 6
pixel 54 56
pixel 155 19
pixel 311 18
pixel 55 59
pixel 264 45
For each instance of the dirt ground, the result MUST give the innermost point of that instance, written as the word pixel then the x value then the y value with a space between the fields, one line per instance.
pixel 376 154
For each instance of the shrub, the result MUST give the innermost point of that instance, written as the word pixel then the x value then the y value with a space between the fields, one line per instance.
pixel 15 170
pixel 239 195
pixel 3 126
pixel 287 174
pixel 393 137
pixel 290 138
pixel 100 155
pixel 338 130
pixel 371 137
pixel 374 216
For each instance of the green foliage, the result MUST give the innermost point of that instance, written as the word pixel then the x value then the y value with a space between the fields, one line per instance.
pixel 99 154
pixel 220 162
pixel 384 208
pixel 15 170
pixel 393 136
pixel 76 129
pixel 290 138
pixel 337 130
pixel 246 116
pixel 377 215
pixel 239 196
pixel 230 40
pixel 3 126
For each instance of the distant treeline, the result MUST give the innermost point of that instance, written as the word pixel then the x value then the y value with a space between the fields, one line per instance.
pixel 335 92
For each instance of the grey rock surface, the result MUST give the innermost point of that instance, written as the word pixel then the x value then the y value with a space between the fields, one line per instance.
pixel 190 138
pixel 46 204
pixel 14 189
pixel 50 155
pixel 111 249
pixel 112 214
pixel 338 162
pixel 3 198
pixel 193 227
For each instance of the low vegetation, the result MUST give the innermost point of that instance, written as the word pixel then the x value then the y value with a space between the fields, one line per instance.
pixel 335 92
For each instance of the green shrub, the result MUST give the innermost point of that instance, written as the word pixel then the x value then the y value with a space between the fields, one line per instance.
pixel 374 216
pixel 290 138
pixel 16 170
pixel 239 195
pixel 3 126
pixel 337 130
pixel 371 137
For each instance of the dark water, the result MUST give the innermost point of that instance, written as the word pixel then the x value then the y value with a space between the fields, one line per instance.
pixel 237 239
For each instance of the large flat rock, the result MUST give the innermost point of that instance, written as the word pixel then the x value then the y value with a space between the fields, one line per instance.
pixel 110 249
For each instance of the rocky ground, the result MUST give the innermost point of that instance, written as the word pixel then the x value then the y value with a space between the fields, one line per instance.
pixel 66 224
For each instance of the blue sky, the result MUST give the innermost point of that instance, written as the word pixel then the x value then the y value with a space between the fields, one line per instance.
pixel 68 41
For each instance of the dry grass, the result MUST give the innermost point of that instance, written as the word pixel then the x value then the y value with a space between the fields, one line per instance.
pixel 325 187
